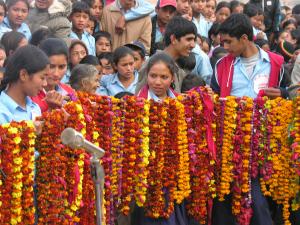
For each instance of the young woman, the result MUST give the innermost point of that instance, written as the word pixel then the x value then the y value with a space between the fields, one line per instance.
pixel 125 79
pixel 55 94
pixel 222 11
pixel 85 78
pixel 12 41
pixel 160 75
pixel 25 77
pixel 17 12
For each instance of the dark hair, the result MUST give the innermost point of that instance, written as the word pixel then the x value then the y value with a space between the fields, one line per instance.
pixel 104 34
pixel 296 9
pixel 261 42
pixel 78 7
pixel 217 54
pixel 2 3
pixel 54 46
pixel 77 42
pixel 90 3
pixel 296 34
pixel 90 59
pixel 179 27
pixel 166 59
pixel 137 49
pixel 28 57
pixel 123 94
pixel 191 81
pixel 11 40
pixel 237 25
pixel 121 52
pixel 2 47
pixel 80 72
pixel 187 63
pixel 106 55
pixel 40 35
pixel 10 3
pixel 214 30
pixel 221 5
pixel 252 10
pixel 234 4
pixel 288 22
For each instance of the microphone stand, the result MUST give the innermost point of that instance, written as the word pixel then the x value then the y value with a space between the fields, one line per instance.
pixel 97 173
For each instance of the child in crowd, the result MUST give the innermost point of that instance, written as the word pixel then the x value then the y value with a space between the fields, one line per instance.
pixel 210 9
pixel 191 81
pixel 92 60
pixel 90 27
pixel 2 55
pixel 55 93
pixel 25 77
pixel 289 25
pixel 257 20
pixel 85 78
pixel 125 79
pixel 214 37
pixel 106 61
pixel 203 25
pixel 96 7
pixel 139 53
pixel 79 17
pixel 12 41
pixel 236 7
pixel 204 44
pixel 103 42
pixel 3 28
pixel 17 12
pixel 40 35
pixel 222 11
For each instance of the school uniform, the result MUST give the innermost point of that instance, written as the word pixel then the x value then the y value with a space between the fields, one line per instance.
pixel 87 39
pixel 202 25
pixel 11 111
pixel 4 29
pixel 23 29
pixel 110 85
pixel 231 78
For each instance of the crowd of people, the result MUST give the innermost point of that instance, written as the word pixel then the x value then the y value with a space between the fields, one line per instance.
pixel 52 48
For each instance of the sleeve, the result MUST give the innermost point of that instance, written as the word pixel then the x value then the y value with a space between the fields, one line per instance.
pixel 295 77
pixel 61 27
pixel 144 8
pixel 145 36
pixel 203 67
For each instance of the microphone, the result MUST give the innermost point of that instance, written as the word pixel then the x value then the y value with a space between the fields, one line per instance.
pixel 74 139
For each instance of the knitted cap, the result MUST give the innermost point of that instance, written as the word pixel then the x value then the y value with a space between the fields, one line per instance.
pixel 286 49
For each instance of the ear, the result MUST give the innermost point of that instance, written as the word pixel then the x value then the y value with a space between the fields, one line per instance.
pixel 173 39
pixel 23 75
pixel 84 83
pixel 244 37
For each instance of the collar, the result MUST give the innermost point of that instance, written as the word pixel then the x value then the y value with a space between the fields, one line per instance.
pixel 12 106
pixel 6 22
pixel 116 78
pixel 153 96
pixel 262 55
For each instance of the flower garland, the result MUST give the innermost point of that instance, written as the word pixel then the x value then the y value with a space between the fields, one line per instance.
pixel 142 159
pixel 226 176
pixel 51 170
pixel 155 203
pixel 295 134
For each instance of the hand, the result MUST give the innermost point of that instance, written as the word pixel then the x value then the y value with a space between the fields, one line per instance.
pixel 210 92
pixel 120 25
pixel 54 99
pixel 187 16
pixel 38 125
pixel 272 92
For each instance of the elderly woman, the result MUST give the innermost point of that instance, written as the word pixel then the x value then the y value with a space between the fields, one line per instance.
pixel 85 78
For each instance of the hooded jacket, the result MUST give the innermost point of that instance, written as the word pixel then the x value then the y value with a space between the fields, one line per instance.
pixel 55 18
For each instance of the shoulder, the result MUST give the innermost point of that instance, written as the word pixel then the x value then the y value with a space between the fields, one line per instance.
pixel 107 79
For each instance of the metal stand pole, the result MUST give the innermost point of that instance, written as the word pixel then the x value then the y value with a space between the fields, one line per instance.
pixel 98 178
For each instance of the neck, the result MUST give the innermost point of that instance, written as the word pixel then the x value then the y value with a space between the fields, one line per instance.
pixel 160 23
pixel 78 32
pixel 250 50
pixel 172 52
pixel 162 97
pixel 13 25
pixel 196 15
pixel 126 81
pixel 15 92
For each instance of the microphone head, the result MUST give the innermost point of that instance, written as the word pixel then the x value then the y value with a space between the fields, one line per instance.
pixel 71 138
